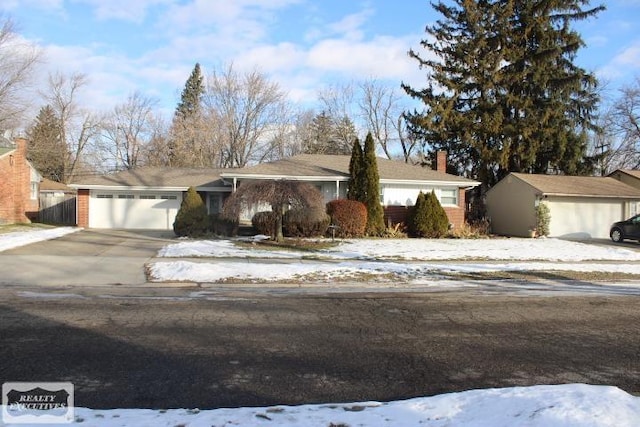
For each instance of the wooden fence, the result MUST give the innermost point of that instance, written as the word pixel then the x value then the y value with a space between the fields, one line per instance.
pixel 57 208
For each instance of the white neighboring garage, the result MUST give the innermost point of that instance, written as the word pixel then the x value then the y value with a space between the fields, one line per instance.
pixel 580 207
pixel 146 198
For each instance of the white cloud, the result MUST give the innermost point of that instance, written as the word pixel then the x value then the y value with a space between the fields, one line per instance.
pixel 623 65
pixel 55 5
pixel 381 57
pixel 126 10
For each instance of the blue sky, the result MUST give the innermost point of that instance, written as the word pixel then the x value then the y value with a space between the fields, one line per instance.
pixel 152 45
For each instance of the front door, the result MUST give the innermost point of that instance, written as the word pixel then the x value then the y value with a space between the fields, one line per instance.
pixel 215 203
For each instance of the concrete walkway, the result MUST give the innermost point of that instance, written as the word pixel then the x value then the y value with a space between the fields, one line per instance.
pixel 85 258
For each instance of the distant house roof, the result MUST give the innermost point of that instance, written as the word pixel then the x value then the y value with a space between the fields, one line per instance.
pixel 584 186
pixel 631 172
pixel 336 167
pixel 50 185
pixel 150 178
pixel 6 145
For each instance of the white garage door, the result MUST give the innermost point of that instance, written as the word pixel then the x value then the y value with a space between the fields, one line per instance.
pixel 580 218
pixel 133 210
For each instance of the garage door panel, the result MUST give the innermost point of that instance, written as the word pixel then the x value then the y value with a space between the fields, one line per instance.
pixel 583 218
pixel 131 211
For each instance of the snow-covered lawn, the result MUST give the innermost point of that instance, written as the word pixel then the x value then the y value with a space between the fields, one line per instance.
pixel 570 405
pixel 403 259
pixel 513 249
pixel 20 238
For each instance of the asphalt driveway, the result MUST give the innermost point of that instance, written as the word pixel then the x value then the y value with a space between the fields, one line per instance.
pixel 84 258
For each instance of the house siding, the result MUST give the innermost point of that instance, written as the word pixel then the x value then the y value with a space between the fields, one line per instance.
pixel 626 178
pixel 398 214
pixel 511 207
pixel 16 204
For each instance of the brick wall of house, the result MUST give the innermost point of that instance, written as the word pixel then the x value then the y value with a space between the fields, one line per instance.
pixel 83 208
pixel 398 214
pixel 16 204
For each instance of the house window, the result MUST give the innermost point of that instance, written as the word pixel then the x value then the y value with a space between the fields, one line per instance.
pixel 125 196
pixel 168 197
pixel 34 190
pixel 147 197
pixel 104 196
pixel 449 196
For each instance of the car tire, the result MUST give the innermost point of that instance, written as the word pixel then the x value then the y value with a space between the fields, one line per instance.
pixel 616 235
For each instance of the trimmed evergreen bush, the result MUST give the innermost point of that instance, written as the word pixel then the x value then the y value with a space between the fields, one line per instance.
pixel 192 219
pixel 349 216
pixel 371 182
pixel 305 222
pixel 543 219
pixel 265 223
pixel 428 218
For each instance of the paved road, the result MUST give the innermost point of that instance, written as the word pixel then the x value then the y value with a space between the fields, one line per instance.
pixel 172 348
pixel 139 346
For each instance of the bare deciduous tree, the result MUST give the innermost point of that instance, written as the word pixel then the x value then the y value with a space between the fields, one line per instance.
pixel 377 108
pixel 129 128
pixel 17 61
pixel 78 127
pixel 280 194
pixel 245 108
pixel 381 111
pixel 624 123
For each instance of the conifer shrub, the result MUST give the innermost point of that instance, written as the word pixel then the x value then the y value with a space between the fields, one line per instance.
pixel 428 218
pixel 543 219
pixel 349 217
pixel 265 223
pixel 371 181
pixel 192 219
pixel 305 222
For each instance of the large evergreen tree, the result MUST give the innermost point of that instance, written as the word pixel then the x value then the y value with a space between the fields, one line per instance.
pixel 371 183
pixel 504 94
pixel 191 97
pixel 329 135
pixel 184 143
pixel 46 149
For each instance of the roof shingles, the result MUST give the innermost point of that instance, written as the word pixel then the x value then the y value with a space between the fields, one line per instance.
pixel 156 177
pixel 588 186
pixel 325 165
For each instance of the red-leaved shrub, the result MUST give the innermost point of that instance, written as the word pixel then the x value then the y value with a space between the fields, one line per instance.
pixel 348 216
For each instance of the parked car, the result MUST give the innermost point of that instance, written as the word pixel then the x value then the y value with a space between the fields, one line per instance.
pixel 629 229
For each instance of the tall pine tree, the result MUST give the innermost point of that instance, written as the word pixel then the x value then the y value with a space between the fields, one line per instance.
pixel 184 146
pixel 371 183
pixel 191 97
pixel 504 94
pixel 46 150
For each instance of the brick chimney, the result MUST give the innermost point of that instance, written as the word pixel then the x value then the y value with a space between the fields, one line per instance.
pixel 441 161
pixel 21 178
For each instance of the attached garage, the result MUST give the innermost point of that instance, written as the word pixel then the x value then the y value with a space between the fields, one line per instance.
pixel 146 198
pixel 580 207
pixel 583 218
pixel 133 209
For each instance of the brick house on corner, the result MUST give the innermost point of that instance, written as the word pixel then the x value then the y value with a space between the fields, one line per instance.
pixel 19 183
